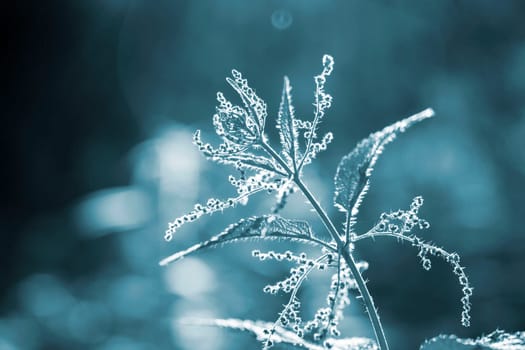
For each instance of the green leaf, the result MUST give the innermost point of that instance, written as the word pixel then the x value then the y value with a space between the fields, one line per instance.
pixel 497 340
pixel 286 125
pixel 284 336
pixel 261 227
pixel 354 170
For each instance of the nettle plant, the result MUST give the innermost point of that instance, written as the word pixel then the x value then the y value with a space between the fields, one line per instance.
pixel 263 168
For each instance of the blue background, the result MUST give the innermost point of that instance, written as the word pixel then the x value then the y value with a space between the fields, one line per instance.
pixel 100 102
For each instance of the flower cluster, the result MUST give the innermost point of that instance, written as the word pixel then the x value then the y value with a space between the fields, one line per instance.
pixel 402 221
pixel 240 128
pixel 399 223
pixel 317 147
pixel 291 282
pixel 288 318
pixel 234 124
pixel 453 259
pixel 326 320
pixel 262 180
pixel 323 101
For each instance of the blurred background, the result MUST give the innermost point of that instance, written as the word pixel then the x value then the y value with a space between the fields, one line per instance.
pixel 101 98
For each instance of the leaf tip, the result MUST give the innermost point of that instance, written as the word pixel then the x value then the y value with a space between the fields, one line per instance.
pixel 169 259
pixel 328 63
pixel 428 113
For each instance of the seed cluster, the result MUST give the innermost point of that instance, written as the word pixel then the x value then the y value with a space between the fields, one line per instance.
pixel 288 318
pixel 245 189
pixel 323 100
pixel 317 147
pixel 255 105
pixel 302 124
pixel 282 195
pixel 264 180
pixel 291 282
pixel 402 221
pixel 327 319
pixel 453 259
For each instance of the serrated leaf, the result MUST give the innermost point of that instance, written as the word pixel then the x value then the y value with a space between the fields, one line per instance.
pixel 497 340
pixel 354 170
pixel 255 105
pixel 254 162
pixel 261 227
pixel 287 127
pixel 284 336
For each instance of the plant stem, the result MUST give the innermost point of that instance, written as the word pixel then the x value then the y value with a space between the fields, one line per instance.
pixel 342 247
pixel 349 259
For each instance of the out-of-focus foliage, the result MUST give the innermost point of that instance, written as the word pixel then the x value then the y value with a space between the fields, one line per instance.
pixel 497 340
pixel 100 101
pixel 283 336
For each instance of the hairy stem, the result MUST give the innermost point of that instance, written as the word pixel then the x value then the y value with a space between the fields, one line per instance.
pixel 349 259
pixel 342 247
pixel 294 294
pixel 336 294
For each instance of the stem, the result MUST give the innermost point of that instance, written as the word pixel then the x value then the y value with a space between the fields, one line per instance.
pixel 401 237
pixel 336 293
pixel 342 247
pixel 349 259
pixel 294 292
pixel 314 126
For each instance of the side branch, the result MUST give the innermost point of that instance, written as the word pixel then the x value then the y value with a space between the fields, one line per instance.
pixel 341 246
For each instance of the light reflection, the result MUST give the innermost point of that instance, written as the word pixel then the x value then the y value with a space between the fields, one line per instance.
pixel 189 336
pixel 114 209
pixel 168 166
pixel 190 278
pixel 6 344
pixel 281 19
